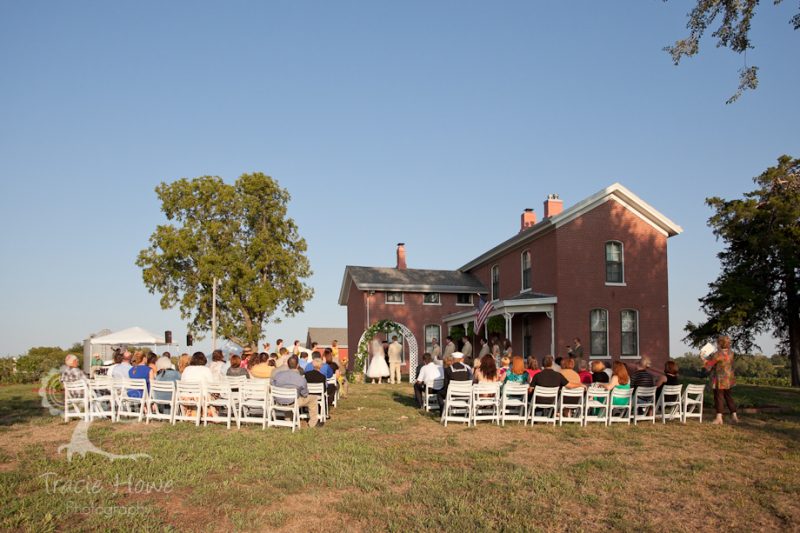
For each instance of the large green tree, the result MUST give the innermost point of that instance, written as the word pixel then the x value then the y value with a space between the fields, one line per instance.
pixel 239 234
pixel 733 33
pixel 758 289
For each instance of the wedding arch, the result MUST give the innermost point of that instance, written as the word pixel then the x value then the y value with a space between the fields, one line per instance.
pixel 388 327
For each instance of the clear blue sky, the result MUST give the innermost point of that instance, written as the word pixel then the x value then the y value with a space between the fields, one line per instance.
pixel 464 113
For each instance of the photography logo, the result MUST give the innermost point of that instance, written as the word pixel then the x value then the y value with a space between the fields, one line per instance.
pixel 53 400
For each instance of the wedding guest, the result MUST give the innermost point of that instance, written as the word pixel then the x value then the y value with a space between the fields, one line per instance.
pixel 599 374
pixel 217 365
pixel 117 358
pixel 720 367
pixel 436 351
pixel 183 362
pixel 264 368
pixel 70 373
pixel 334 369
pixel 314 375
pixel 583 372
pixel 197 371
pixel 123 368
pixel 568 371
pixel 516 372
pixel 247 354
pixel 670 377
pixel 236 369
pixel 619 379
pixel 429 373
pixel 296 348
pixel 467 350
pixel 303 362
pixel 283 358
pixel 533 368
pixel 449 347
pixel 642 378
pixel 484 348
pixel 505 361
pixel 290 378
pixel 576 350
pixel 457 371
pixel 165 372
pixel 507 348
pixel 140 370
pixel 487 372
pixel 151 361
pixel 557 363
pixel 548 378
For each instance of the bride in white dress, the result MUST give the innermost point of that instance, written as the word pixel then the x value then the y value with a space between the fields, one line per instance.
pixel 378 369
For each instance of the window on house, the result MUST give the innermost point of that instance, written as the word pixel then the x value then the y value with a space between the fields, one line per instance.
pixel 431 298
pixel 463 299
pixel 614 261
pixel 598 322
pixel 432 331
pixel 495 282
pixel 394 297
pixel 630 332
pixel 526 270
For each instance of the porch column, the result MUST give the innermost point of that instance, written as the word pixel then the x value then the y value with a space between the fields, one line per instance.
pixel 508 317
pixel 552 332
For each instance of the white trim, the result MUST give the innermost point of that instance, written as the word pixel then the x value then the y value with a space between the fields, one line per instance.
pixel 629 357
pixel 623 284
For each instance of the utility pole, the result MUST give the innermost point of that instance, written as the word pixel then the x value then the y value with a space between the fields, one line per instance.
pixel 214 315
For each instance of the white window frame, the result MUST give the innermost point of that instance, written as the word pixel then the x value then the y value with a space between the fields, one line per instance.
pixel 638 348
pixel 495 297
pixel 469 304
pixel 522 271
pixel 425 336
pixel 622 264
pixel 386 298
pixel 607 355
pixel 439 297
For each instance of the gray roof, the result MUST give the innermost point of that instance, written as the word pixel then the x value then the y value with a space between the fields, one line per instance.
pixel 530 296
pixel 409 280
pixel 326 336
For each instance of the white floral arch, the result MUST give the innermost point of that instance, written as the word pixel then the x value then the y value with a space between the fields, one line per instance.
pixel 387 326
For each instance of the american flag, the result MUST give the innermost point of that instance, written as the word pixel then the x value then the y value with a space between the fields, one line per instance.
pixel 484 308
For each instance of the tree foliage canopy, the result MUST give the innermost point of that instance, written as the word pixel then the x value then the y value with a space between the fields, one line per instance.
pixel 758 289
pixel 239 234
pixel 733 33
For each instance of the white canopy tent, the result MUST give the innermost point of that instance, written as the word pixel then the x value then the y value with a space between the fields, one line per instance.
pixel 134 336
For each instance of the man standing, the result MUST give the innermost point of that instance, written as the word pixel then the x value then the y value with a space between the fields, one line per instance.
pixel 449 347
pixel 291 379
pixel 458 371
pixel 278 346
pixel 296 348
pixel 395 360
pixel 467 349
pixel 576 351
pixel 436 351
pixel 484 347
pixel 429 373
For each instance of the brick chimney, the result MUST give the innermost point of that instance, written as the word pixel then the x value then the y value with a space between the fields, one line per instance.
pixel 553 206
pixel 401 256
pixel 527 219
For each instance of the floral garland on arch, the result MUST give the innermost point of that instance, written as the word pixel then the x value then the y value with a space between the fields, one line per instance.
pixel 381 326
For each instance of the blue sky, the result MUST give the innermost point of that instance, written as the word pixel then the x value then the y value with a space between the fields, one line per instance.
pixel 463 113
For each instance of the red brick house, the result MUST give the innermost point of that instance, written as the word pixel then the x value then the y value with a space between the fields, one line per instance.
pixel 597 271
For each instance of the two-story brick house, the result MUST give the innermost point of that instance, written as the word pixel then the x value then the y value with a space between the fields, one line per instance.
pixel 597 271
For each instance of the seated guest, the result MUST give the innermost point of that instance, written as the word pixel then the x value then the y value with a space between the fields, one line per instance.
pixel 70 373
pixel 117 359
pixel 516 372
pixel 291 378
pixel 670 377
pixel 533 368
pixel 550 378
pixel 641 377
pixel 458 371
pixel 314 375
pixel 236 369
pixel 557 363
pixel 487 372
pixel 619 379
pixel 599 374
pixel 165 372
pixel 572 377
pixel 151 361
pixel 217 366
pixel 140 370
pixel 327 368
pixel 505 362
pixel 303 361
pixel 583 372
pixel 429 373
pixel 197 371
pixel 283 358
pixel 262 369
pixel 247 354
pixel 183 362
pixel 121 370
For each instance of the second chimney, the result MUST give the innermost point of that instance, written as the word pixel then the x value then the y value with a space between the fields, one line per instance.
pixel 401 256
pixel 527 219
pixel 553 206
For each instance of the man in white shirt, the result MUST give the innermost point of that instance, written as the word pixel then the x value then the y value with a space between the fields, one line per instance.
pixel 395 360
pixel 121 371
pixel 429 372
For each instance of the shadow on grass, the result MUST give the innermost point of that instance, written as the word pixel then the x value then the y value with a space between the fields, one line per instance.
pixel 404 399
pixel 16 409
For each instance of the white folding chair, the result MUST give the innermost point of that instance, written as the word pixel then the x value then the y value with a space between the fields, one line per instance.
pixel 162 395
pixel 644 405
pixel 332 381
pixel 597 405
pixel 458 402
pixel 283 400
pixel 693 402
pixel 253 400
pixel 670 403
pixel 217 400
pixel 101 398
pixel 117 394
pixel 486 402
pixel 76 400
pixel 571 406
pixel 320 390
pixel 188 402
pixel 514 403
pixel 545 401
pixel 430 402
pixel 133 406
pixel 621 411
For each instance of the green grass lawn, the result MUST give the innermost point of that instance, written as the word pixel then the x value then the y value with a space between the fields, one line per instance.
pixel 380 464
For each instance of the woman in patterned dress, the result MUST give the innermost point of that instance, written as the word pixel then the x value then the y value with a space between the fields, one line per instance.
pixel 720 366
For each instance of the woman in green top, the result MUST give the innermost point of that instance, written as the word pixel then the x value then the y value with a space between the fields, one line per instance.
pixel 516 372
pixel 620 380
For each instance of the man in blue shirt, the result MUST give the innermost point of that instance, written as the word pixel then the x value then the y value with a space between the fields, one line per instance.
pixel 291 379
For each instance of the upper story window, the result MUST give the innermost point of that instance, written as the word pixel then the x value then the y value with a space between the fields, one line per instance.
pixel 525 261
pixel 630 332
pixel 598 325
pixel 394 297
pixel 431 298
pixel 495 282
pixel 614 262
pixel 463 299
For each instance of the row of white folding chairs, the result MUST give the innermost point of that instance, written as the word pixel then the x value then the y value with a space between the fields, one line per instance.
pixel 468 403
